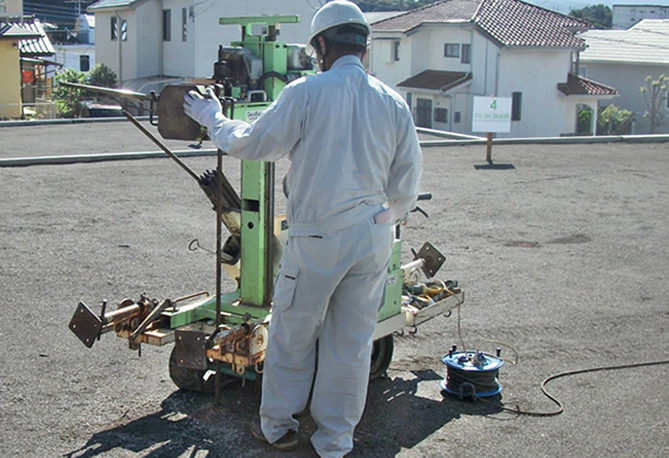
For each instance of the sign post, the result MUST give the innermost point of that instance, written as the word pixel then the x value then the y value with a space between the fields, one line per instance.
pixel 491 115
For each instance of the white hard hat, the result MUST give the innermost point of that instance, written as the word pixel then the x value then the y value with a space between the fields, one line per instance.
pixel 337 13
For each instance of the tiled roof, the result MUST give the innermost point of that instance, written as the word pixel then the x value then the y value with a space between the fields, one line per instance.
pixel 509 22
pixel 515 23
pixel 377 16
pixel 436 80
pixel 37 43
pixel 577 85
pixel 449 11
pixel 647 42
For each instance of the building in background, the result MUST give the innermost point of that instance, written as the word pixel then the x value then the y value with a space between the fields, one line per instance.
pixel 85 29
pixel 625 16
pixel 11 75
pixel 9 8
pixel 624 58
pixel 149 43
pixel 443 55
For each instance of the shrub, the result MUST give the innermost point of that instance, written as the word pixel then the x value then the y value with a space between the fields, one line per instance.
pixel 614 121
pixel 101 75
pixel 68 99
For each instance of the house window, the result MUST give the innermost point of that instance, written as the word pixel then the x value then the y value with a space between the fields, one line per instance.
pixel 516 101
pixel 466 53
pixel 84 62
pixel 114 28
pixel 124 30
pixel 167 25
pixel 441 115
pixel 451 50
pixel 395 51
pixel 456 117
pixel 184 22
pixel 409 100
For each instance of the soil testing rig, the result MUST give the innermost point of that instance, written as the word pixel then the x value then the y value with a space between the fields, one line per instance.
pixel 225 335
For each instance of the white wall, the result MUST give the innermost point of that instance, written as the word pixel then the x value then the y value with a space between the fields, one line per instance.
pixel 536 73
pixel 120 56
pixel 381 64
pixel 148 38
pixel 627 79
pixel 70 55
pixel 178 55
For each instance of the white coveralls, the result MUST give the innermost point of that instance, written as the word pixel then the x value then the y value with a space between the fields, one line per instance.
pixel 354 152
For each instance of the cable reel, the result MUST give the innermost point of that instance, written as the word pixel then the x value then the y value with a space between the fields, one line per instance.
pixel 471 374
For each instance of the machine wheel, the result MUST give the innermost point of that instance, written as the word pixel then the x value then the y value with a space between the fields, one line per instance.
pixel 382 354
pixel 190 379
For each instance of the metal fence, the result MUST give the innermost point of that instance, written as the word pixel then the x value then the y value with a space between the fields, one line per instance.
pixel 45 109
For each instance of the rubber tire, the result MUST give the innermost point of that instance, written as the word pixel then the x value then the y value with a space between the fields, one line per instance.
pixel 190 379
pixel 382 354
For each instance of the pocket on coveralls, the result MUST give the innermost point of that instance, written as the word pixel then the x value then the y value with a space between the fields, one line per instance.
pixel 284 289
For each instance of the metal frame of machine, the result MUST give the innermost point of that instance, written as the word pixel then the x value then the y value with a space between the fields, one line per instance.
pixel 226 334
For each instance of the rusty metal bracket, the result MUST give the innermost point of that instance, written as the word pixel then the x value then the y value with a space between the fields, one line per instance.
pixel 433 259
pixel 86 325
pixel 190 348
pixel 150 318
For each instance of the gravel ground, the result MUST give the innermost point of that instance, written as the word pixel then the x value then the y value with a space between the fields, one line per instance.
pixel 562 253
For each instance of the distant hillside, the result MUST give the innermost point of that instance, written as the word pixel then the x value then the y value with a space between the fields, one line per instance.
pixel 60 12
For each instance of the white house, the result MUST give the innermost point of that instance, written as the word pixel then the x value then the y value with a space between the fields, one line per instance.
pixel 443 55
pixel 624 58
pixel 78 56
pixel 162 40
pixel 625 16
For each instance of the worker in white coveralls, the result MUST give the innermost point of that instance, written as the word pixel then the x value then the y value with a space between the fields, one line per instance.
pixel 355 169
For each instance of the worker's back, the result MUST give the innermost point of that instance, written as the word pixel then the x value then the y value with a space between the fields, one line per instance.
pixel 352 130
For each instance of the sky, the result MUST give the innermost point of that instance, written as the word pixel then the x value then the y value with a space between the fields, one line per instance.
pixel 564 6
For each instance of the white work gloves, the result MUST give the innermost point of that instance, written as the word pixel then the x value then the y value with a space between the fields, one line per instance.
pixel 203 110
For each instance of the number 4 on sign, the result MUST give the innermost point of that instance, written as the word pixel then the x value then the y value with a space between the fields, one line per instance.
pixel 493 105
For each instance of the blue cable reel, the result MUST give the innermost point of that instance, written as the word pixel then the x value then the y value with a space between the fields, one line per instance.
pixel 471 374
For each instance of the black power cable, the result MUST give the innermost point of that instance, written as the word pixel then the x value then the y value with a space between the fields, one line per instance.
pixel 566 374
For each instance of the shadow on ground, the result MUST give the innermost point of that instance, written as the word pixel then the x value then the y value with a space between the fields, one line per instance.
pixel 188 424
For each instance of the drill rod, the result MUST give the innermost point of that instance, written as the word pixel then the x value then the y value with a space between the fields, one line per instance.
pixel 219 233
pixel 162 146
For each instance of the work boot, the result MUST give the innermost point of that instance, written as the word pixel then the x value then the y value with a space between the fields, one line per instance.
pixel 286 443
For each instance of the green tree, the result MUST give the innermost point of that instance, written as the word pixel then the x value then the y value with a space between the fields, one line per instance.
pixel 655 95
pixel 101 75
pixel 68 99
pixel 614 121
pixel 600 16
